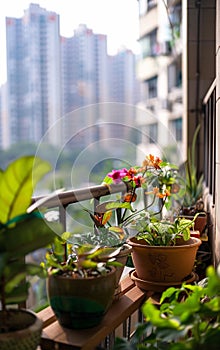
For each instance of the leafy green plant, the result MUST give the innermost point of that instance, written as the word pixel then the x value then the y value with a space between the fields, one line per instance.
pixel 102 236
pixel 187 319
pixel 21 232
pixel 80 260
pixel 192 186
pixel 158 232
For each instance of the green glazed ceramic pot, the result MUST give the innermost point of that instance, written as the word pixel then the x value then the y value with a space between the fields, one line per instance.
pixel 81 302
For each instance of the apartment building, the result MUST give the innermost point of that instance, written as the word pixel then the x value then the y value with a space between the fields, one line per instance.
pixel 159 69
pixel 33 75
pixel 59 89
pixel 95 89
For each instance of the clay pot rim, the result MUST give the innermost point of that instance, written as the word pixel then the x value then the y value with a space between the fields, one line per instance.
pixel 32 327
pixel 196 242
pixel 61 276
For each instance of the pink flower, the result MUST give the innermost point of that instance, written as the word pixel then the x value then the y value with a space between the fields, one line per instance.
pixel 118 175
pixel 138 180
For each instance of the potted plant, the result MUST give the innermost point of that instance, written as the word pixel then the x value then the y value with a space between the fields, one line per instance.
pixel 20 234
pixel 112 236
pixel 111 218
pixel 187 318
pixel 190 196
pixel 163 252
pixel 80 283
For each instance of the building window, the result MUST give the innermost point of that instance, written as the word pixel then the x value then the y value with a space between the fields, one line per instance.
pixel 174 75
pixel 149 45
pixel 146 5
pixel 151 87
pixel 151 4
pixel 176 128
pixel 153 133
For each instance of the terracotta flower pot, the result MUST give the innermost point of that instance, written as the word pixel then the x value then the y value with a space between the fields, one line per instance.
pixel 200 222
pixel 25 333
pixel 164 264
pixel 81 302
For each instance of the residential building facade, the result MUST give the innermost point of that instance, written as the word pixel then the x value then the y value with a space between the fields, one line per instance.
pixel 59 89
pixel 33 74
pixel 94 84
pixel 160 71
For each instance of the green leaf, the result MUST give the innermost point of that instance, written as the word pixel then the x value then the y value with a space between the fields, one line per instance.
pixel 152 313
pixel 19 276
pixel 18 294
pixel 107 180
pixel 168 293
pixel 112 205
pixel 29 235
pixel 17 183
pixel 116 205
pixel 89 264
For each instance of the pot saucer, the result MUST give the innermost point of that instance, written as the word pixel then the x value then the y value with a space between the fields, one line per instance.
pixel 159 286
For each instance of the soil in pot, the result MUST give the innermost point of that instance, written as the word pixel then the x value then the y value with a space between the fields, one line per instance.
pixel 22 332
pixel 164 264
pixel 81 303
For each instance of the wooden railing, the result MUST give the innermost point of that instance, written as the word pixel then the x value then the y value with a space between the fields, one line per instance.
pixel 120 320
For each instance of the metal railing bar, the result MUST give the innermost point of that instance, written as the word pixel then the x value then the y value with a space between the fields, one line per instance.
pixel 78 195
pixel 210 91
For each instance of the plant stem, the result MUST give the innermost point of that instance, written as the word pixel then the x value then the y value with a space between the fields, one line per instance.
pixel 130 217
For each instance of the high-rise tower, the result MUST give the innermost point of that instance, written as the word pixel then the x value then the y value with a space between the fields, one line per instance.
pixel 33 75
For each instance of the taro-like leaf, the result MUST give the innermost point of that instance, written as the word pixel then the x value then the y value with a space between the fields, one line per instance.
pixel 29 235
pixel 17 183
pixel 18 294
pixel 20 274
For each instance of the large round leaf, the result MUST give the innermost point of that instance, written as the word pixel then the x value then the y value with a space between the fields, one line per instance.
pixel 17 183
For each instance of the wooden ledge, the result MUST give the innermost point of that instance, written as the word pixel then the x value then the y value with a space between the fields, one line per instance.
pixel 55 337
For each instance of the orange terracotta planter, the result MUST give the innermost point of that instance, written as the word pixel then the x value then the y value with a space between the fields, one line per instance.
pixel 164 264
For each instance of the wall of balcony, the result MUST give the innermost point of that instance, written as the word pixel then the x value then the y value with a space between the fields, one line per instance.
pixel 217 245
pixel 202 100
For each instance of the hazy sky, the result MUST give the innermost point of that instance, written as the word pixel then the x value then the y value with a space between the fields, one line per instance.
pixel 118 19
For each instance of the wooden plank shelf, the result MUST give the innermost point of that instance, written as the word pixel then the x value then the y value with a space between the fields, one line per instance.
pixel 56 337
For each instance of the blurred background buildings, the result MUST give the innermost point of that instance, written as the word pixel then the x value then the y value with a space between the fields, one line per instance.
pixel 51 78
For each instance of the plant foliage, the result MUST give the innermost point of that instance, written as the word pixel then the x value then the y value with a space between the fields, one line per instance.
pixel 20 232
pixel 192 184
pixel 188 319
pixel 158 232
pixel 79 260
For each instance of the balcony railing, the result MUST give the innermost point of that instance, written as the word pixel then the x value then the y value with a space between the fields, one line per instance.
pixel 64 199
pixel 209 109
